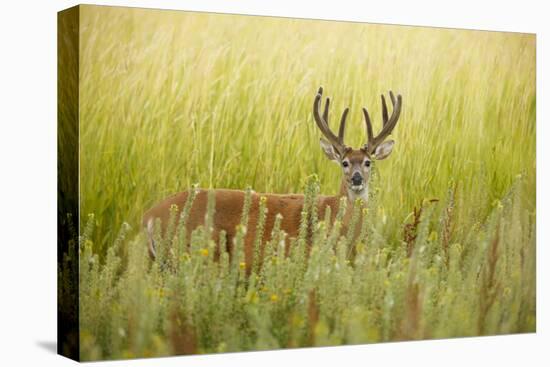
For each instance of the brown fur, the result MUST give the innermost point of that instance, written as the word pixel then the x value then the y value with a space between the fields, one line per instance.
pixel 228 210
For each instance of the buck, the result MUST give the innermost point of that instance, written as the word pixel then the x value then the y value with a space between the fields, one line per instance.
pixel 355 165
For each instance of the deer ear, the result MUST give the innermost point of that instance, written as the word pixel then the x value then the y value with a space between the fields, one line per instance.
pixel 329 150
pixel 383 150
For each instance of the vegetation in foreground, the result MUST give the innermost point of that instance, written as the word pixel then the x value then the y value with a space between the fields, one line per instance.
pixel 437 281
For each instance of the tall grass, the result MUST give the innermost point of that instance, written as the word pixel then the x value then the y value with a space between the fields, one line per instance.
pixel 168 99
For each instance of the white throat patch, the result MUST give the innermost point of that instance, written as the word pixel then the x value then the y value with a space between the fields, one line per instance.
pixel 355 194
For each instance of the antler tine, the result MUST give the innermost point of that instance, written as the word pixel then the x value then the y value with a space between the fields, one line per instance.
pixel 388 124
pixel 370 135
pixel 342 129
pixel 325 112
pixel 384 111
pixel 395 114
pixel 392 99
pixel 322 123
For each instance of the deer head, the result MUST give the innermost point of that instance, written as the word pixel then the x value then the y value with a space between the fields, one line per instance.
pixel 356 163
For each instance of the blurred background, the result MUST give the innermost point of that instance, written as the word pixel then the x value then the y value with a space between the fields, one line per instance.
pixel 170 98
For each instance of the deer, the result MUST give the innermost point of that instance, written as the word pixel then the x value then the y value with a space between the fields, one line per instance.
pixel 355 167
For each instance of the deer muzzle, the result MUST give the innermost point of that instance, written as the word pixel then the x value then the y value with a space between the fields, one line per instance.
pixel 357 181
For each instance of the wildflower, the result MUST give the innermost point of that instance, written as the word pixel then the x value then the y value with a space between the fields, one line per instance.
pixel 274 298
pixel 185 257
pixel 242 265
pixel 204 252
pixel 241 229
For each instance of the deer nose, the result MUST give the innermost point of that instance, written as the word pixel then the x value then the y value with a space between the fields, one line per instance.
pixel 357 179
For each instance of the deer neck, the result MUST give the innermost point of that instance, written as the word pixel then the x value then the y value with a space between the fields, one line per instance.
pixel 352 197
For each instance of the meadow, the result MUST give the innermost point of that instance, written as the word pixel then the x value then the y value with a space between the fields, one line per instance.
pixel 172 99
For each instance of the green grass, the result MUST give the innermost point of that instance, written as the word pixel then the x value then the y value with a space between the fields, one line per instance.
pixel 168 99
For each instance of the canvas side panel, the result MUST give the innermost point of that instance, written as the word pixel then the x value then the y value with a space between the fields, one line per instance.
pixel 67 183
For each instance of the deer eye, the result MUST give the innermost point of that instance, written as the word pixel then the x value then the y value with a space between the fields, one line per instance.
pixel 367 163
pixel 345 164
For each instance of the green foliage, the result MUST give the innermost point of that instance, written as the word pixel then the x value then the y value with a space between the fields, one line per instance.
pixel 366 290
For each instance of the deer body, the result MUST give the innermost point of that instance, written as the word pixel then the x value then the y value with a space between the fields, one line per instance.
pixel 228 210
pixel 229 204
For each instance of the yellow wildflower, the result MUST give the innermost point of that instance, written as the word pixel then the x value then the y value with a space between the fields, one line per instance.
pixel 185 257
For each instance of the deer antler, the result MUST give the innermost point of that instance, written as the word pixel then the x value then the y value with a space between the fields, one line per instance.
pixel 322 122
pixel 387 124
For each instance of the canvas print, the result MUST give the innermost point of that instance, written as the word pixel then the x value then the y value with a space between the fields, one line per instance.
pixel 240 183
